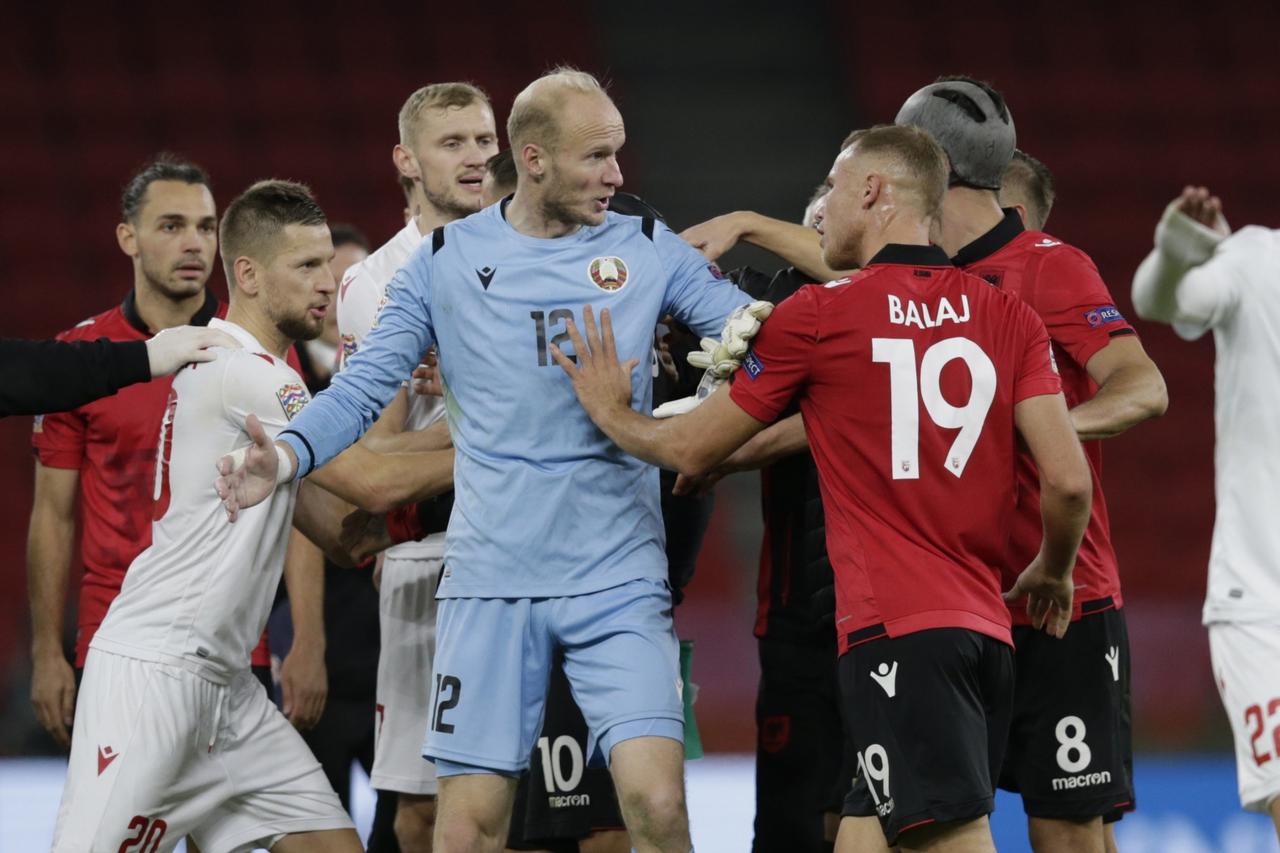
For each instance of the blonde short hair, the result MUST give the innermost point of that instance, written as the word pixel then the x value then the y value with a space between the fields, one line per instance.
pixel 921 158
pixel 533 116
pixel 436 96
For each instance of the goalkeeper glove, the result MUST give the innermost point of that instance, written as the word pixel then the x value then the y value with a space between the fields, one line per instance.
pixel 720 358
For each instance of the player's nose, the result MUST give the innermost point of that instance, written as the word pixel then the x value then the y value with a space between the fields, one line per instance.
pixel 613 174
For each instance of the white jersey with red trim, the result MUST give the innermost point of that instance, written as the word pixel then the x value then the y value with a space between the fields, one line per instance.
pixel 361 296
pixel 200 595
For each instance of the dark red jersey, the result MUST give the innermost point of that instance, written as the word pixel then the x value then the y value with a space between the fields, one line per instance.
pixel 907 374
pixel 113 442
pixel 1063 286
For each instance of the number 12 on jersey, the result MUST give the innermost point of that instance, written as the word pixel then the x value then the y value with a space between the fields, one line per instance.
pixel 906 392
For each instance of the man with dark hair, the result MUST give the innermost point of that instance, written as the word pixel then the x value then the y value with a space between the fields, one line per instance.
pixel 886 366
pixel 499 177
pixel 1070 751
pixel 103 452
pixel 174 736
pixel 1027 187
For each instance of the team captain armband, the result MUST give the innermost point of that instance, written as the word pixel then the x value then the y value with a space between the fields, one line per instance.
pixel 417 521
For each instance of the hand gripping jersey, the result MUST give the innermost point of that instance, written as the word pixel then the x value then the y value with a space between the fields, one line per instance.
pixel 544 503
pixel 361 296
pixel 112 443
pixel 199 596
pixel 1063 286
pixel 907 375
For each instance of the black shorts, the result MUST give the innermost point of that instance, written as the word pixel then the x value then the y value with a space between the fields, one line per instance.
pixel 929 715
pixel 1070 752
pixel 799 740
pixel 562 797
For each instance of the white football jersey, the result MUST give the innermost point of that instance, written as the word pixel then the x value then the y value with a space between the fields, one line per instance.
pixel 200 595
pixel 1236 294
pixel 361 296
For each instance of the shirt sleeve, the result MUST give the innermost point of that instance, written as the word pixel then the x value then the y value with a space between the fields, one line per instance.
pixel 778 365
pixel 1208 295
pixel 1076 305
pixel 54 376
pixel 253 384
pixel 357 395
pixel 1037 374
pixel 698 294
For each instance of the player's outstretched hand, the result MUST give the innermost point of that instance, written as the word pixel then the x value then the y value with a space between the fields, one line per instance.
pixel 248 475
pixel 715 236
pixel 53 696
pixel 174 348
pixel 364 534
pixel 601 383
pixel 1048 597
pixel 1203 207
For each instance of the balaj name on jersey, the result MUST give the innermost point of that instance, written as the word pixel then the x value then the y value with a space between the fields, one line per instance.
pixel 920 316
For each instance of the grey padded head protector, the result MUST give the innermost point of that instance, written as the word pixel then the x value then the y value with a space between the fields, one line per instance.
pixel 971 123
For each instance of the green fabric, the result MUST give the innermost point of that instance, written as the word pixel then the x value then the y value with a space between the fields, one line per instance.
pixel 692 740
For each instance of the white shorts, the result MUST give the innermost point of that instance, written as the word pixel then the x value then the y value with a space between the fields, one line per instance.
pixel 160 753
pixel 1245 656
pixel 407 617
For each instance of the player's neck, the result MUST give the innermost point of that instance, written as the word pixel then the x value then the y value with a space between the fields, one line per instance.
pixel 160 311
pixel 901 231
pixel 263 330
pixel 527 216
pixel 429 219
pixel 967 214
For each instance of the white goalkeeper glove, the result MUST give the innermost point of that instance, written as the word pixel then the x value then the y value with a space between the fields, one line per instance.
pixel 719 359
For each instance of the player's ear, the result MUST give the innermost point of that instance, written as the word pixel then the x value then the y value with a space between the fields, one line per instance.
pixel 872 190
pixel 127 239
pixel 1022 213
pixel 534 159
pixel 406 164
pixel 246 272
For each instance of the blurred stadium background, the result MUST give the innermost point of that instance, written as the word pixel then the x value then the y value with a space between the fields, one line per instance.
pixel 729 105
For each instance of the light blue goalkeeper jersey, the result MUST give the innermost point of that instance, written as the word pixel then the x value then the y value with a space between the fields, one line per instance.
pixel 544 503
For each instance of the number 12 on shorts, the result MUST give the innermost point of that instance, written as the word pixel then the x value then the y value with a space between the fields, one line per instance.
pixel 453 685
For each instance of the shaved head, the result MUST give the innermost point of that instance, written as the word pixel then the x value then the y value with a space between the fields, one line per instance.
pixel 537 115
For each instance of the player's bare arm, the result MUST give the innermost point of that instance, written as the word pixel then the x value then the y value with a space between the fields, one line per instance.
pixel 376 482
pixel 434 437
pixel 689 444
pixel 1130 391
pixel 50 538
pixel 794 243
pixel 304 681
pixel 777 441
pixel 1066 492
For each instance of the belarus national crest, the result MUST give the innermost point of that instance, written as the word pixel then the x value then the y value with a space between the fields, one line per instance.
pixel 292 398
pixel 608 273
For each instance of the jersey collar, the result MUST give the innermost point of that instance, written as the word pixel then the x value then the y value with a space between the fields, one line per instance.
pixel 1004 233
pixel 913 256
pixel 201 318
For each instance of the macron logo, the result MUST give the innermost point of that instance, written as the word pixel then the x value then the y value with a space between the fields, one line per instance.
pixel 106 755
pixel 1046 243
pixel 887 677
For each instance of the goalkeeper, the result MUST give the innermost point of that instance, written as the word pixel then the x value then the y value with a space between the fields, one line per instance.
pixel 555 540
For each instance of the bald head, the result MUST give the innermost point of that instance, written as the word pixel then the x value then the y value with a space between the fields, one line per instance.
pixel 539 113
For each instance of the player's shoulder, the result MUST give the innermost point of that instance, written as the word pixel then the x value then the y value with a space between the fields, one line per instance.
pixel 107 324
pixel 381 264
pixel 1251 238
pixel 1038 245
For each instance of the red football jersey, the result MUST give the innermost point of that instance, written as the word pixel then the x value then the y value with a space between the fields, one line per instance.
pixel 907 374
pixel 113 442
pixel 1063 286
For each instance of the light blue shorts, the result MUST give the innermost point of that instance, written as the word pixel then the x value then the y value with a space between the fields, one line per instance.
pixel 493 661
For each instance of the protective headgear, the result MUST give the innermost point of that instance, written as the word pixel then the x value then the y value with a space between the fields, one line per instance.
pixel 972 124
